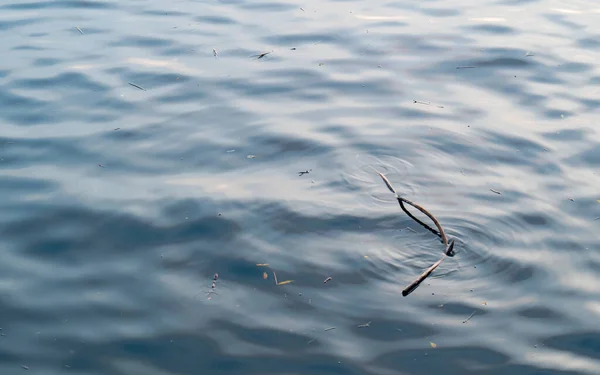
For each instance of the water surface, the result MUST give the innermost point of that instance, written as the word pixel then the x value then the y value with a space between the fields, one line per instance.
pixel 144 147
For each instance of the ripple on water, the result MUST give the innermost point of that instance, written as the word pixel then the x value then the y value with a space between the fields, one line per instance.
pixel 120 204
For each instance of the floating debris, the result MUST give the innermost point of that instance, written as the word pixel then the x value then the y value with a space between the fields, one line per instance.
pixel 24 367
pixel 265 275
pixel 465 67
pixel 529 54
pixel 137 86
pixel 261 55
pixel 329 329
pixel 449 247
pixel 78 29
pixel 285 282
pixel 327 280
pixel 365 325
pixel 418 102
pixel 495 191
pixel 311 341
pixel 101 166
pixel 251 156
pixel 213 286
pixel 433 344
pixel 470 316
pixel 262 264
pixel 215 52
pixel 424 103
pixel 305 172
pixel 117 128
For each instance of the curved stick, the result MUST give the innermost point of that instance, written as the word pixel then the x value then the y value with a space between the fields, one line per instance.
pixel 437 223
pixel 418 207
pixel 448 251
pixel 407 212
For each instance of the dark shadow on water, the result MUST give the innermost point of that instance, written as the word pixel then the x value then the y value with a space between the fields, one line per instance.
pixel 492 29
pixel 583 344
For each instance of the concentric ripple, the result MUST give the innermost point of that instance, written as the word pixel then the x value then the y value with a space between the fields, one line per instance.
pixel 162 164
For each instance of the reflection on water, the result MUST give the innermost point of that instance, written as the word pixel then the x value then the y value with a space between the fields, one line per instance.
pixel 136 164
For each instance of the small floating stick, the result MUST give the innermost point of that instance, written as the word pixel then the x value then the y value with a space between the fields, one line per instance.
pixel 469 318
pixel 137 86
pixel 449 247
pixel 401 201
pixel 415 284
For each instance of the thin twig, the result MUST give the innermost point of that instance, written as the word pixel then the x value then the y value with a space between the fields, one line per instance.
pixel 418 207
pixel 137 86
pixel 418 221
pixel 415 284
pixel 449 247
pixel 435 221
pixel 470 316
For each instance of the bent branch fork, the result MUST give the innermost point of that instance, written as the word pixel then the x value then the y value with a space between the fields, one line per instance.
pixel 448 247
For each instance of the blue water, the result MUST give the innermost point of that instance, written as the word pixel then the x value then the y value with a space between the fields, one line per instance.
pixel 144 147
